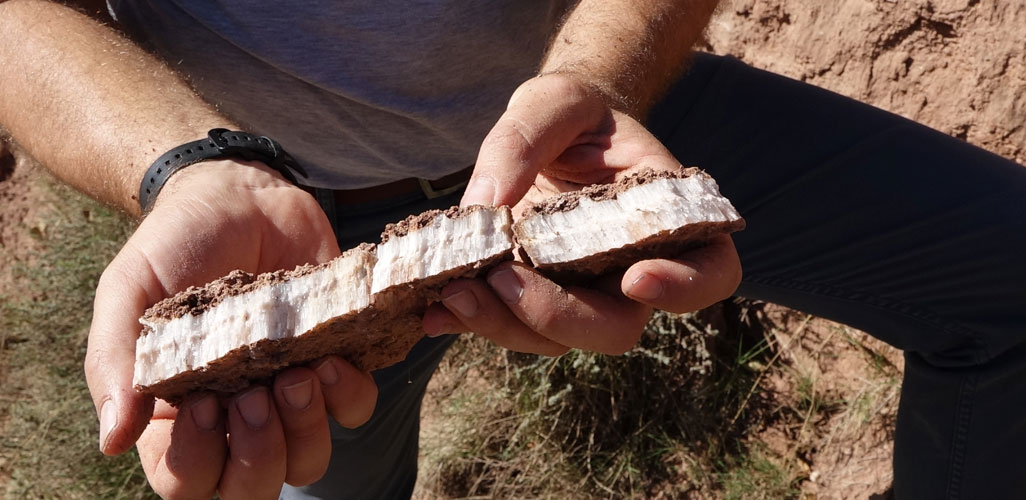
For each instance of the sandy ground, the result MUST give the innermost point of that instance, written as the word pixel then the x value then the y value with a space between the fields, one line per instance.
pixel 18 210
pixel 958 66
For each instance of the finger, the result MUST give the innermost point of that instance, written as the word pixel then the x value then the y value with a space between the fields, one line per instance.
pixel 576 317
pixel 439 321
pixel 698 279
pixel 298 398
pixel 256 462
pixel 350 395
pixel 546 115
pixel 629 148
pixel 183 452
pixel 126 287
pixel 482 312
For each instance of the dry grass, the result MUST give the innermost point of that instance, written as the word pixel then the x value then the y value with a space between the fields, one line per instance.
pixel 667 419
pixel 739 402
pixel 49 445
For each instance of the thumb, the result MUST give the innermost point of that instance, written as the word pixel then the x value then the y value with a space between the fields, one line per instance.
pixel 694 280
pixel 122 411
pixel 546 116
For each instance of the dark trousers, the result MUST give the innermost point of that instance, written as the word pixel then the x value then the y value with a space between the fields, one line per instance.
pixel 872 220
pixel 854 214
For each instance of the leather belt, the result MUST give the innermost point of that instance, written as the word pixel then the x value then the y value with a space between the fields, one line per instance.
pixel 430 189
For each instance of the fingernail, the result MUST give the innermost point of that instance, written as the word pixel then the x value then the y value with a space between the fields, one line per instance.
pixel 480 191
pixel 327 372
pixel 463 302
pixel 205 412
pixel 254 407
pixel 299 395
pixel 507 285
pixel 436 332
pixel 646 287
pixel 448 329
pixel 108 420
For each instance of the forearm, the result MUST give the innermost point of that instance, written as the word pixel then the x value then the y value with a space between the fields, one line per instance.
pixel 630 49
pixel 90 105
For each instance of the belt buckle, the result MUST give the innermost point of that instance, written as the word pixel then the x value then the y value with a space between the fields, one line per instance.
pixel 431 193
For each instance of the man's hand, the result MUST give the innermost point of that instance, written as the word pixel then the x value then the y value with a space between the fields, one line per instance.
pixel 558 134
pixel 212 218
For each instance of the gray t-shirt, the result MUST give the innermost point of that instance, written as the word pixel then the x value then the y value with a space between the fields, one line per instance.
pixel 362 92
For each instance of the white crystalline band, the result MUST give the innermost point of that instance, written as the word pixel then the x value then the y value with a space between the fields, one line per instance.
pixel 349 284
pixel 442 245
pixel 636 213
pixel 279 310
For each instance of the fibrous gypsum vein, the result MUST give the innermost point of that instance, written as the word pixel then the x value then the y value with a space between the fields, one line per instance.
pixel 365 305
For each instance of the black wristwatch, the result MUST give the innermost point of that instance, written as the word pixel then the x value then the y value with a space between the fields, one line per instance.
pixel 220 143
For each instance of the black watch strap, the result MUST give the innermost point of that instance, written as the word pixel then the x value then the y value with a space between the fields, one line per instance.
pixel 219 143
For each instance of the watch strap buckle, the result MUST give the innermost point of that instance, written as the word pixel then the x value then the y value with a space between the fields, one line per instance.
pixel 220 143
pixel 431 193
pixel 272 154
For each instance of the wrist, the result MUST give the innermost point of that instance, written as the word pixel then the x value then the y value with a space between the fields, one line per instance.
pixel 221 179
pixel 605 90
pixel 219 144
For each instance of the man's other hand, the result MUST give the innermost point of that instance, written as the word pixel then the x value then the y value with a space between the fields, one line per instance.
pixel 559 134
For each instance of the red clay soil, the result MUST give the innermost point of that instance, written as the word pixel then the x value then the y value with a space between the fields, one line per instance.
pixel 958 66
pixel 17 209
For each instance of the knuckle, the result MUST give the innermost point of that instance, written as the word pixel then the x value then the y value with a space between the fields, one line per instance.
pixel 293 375
pixel 737 274
pixel 97 368
pixel 547 321
pixel 509 134
pixel 91 363
pixel 98 356
pixel 303 432
pixel 728 280
pixel 355 417
pixel 112 278
pixel 351 418
pixel 306 476
pixel 180 491
pixel 550 312
pixel 564 85
pixel 353 406
pixel 309 471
